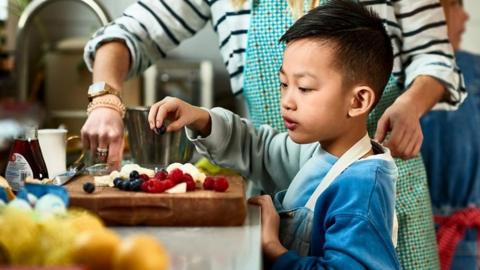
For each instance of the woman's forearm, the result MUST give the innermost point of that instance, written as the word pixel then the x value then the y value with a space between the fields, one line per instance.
pixel 423 94
pixel 111 65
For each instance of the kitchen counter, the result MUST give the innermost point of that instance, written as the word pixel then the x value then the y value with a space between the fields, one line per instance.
pixel 209 248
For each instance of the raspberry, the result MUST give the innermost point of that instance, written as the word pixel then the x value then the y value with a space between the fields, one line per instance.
pixel 168 183
pixel 161 175
pixel 208 183
pixel 221 184
pixel 150 185
pixel 158 186
pixel 144 177
pixel 187 177
pixel 190 185
pixel 176 175
pixel 144 186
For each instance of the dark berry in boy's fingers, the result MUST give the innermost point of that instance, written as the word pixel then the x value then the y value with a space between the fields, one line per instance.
pixel 134 175
pixel 89 187
pixel 161 130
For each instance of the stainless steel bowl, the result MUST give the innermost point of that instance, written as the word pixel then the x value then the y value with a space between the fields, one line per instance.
pixel 151 150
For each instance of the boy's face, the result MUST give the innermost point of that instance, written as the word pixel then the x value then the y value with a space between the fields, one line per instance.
pixel 314 104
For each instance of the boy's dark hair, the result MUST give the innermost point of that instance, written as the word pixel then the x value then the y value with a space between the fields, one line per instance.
pixel 363 48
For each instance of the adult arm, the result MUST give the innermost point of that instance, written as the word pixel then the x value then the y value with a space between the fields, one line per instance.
pixel 126 47
pixel 431 75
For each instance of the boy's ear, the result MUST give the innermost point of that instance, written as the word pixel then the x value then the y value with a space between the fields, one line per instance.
pixel 362 101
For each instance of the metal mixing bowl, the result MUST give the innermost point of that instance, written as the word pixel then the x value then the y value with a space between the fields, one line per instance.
pixel 151 150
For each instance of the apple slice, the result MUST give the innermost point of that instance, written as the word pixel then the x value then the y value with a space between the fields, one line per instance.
pixel 179 188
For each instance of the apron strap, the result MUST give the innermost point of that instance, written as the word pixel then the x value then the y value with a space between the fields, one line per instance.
pixel 353 154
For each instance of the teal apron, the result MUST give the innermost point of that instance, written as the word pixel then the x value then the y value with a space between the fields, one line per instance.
pixel 417 247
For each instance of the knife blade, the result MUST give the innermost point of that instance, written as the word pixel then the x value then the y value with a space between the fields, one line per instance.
pixel 74 170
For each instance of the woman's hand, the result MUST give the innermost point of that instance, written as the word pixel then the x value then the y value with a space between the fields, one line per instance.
pixel 406 137
pixel 271 246
pixel 180 114
pixel 402 119
pixel 104 129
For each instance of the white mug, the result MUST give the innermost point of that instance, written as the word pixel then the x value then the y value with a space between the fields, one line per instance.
pixel 53 143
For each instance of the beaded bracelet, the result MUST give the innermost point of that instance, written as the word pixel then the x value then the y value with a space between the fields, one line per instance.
pixel 107 102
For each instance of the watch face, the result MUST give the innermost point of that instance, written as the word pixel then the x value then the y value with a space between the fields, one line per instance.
pixel 97 88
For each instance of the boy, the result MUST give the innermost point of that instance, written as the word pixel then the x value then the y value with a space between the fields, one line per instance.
pixel 336 201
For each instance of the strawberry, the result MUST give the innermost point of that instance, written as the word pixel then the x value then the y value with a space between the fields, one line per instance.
pixel 208 183
pixel 221 184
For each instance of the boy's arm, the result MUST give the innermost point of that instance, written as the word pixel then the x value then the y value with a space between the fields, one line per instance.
pixel 263 155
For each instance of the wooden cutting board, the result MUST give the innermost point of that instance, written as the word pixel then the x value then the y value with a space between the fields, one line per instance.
pixel 196 208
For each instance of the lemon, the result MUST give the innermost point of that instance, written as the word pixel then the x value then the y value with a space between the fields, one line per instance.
pixel 95 249
pixel 141 252
pixel 82 221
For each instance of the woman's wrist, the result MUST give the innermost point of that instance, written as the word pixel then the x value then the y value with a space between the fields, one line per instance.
pixel 423 94
pixel 110 101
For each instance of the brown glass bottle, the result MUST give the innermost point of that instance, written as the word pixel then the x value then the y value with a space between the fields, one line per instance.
pixel 25 160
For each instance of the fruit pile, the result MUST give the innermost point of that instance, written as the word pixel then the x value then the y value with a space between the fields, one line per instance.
pixel 175 181
pixel 176 178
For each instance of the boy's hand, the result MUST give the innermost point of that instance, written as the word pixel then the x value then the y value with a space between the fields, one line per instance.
pixel 271 246
pixel 180 114
pixel 406 136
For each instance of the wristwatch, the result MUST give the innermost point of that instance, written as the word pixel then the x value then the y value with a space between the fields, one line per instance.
pixel 100 89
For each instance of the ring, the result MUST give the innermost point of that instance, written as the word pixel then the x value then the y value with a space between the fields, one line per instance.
pixel 102 151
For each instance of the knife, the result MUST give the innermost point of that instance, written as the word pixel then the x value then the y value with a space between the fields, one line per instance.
pixel 74 170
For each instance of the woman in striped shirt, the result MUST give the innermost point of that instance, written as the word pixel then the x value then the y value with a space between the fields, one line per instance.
pixel 424 64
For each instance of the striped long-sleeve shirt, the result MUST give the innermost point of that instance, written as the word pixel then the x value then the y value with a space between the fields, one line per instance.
pixel 150 28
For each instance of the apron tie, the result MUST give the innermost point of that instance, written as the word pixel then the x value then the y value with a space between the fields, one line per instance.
pixel 452 230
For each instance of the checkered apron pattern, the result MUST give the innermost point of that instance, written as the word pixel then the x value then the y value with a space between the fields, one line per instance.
pixel 270 19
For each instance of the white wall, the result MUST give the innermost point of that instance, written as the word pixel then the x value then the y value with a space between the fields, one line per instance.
pixel 471 37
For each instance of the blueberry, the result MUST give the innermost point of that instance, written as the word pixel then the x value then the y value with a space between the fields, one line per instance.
pixel 125 185
pixel 161 130
pixel 89 187
pixel 136 184
pixel 117 181
pixel 134 175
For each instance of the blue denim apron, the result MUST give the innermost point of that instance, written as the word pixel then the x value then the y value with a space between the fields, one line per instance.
pixel 296 224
